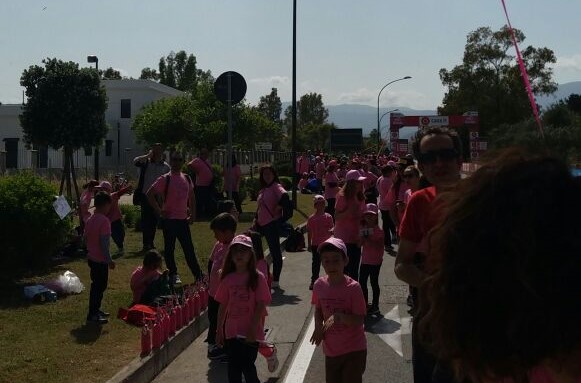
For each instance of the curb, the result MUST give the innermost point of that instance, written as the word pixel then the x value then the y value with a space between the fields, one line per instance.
pixel 145 369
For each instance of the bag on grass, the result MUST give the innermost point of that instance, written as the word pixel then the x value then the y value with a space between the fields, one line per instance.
pixel 295 241
pixel 137 314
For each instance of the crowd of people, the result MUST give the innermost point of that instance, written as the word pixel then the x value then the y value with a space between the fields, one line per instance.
pixel 486 258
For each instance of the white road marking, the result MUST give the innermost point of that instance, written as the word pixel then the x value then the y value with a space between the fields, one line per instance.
pixel 391 333
pixel 302 359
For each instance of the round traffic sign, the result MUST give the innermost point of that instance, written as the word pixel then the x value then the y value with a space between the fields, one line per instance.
pixel 237 87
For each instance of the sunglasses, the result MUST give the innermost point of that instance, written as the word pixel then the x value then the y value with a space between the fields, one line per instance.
pixel 432 156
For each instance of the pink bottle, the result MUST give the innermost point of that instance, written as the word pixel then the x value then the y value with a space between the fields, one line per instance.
pixel 145 340
pixel 156 335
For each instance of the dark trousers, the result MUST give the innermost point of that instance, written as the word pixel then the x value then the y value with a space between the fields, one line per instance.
pixel 272 234
pixel 330 207
pixel 148 223
pixel 354 254
pixel 205 201
pixel 179 229
pixel 316 266
pixel 118 233
pixel 99 280
pixel 370 272
pixel 241 359
pixel 388 227
pixel 213 307
pixel 237 201
pixel 346 368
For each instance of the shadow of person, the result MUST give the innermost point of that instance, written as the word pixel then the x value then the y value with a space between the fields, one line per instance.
pixel 217 372
pixel 380 325
pixel 87 333
pixel 279 298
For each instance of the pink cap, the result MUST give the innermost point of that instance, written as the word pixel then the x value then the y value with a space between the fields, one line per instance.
pixel 371 208
pixel 106 185
pixel 391 163
pixel 243 240
pixel 334 242
pixel 354 175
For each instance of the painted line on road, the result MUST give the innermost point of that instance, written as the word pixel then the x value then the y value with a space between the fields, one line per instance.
pixel 302 360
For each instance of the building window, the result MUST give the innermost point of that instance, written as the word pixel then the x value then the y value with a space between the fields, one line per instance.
pixel 108 148
pixel 126 108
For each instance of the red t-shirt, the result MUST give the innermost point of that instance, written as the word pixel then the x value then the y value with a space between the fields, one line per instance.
pixel 417 220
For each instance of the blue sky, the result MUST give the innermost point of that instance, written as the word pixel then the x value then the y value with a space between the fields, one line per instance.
pixel 347 49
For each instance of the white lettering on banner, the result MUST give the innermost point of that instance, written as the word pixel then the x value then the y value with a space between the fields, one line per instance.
pixel 394 135
pixel 434 121
pixel 473 135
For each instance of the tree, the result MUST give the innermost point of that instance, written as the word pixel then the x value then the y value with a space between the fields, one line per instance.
pixel 65 109
pixel 110 74
pixel 489 81
pixel 177 70
pixel 271 106
pixel 574 103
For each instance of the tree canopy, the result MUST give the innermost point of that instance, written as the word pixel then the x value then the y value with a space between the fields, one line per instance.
pixel 271 106
pixel 177 70
pixel 110 74
pixel 65 105
pixel 489 81
pixel 313 130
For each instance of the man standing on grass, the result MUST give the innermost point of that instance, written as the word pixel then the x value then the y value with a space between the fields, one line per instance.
pixel 174 202
pixel 205 184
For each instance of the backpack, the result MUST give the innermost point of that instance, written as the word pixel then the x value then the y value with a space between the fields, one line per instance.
pixel 295 241
pixel 287 208
pixel 137 314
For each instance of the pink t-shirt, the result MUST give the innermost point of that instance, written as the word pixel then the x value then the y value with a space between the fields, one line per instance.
pixel 240 302
pixel 203 170
pixel 341 173
pixel 538 374
pixel 97 226
pixel 268 199
pixel 262 266
pixel 391 198
pixel 84 205
pixel 302 165
pixel 218 254
pixel 383 186
pixel 370 180
pixel 347 225
pixel 319 227
pixel 303 183
pixel 346 298
pixel 372 249
pixel 139 288
pixel 179 191
pixel 320 170
pixel 331 191
pixel 234 176
pixel 115 211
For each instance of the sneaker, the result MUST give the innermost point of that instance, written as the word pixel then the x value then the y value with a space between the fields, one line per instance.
pixel 373 310
pixel 215 352
pixel 104 314
pixel 97 319
pixel 272 360
pixel 175 280
pixel 275 285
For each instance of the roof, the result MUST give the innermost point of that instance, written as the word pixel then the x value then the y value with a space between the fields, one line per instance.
pixel 141 84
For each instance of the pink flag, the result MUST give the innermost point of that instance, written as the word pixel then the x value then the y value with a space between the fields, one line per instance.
pixel 524 74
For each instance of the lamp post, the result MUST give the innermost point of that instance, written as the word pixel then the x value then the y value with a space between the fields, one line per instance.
pixel 95 59
pixel 381 118
pixel 294 108
pixel 379 94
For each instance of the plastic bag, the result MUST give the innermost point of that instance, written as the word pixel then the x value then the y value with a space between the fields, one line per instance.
pixel 68 283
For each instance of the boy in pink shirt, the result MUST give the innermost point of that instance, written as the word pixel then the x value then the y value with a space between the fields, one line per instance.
pixel 97 237
pixel 144 277
pixel 339 314
pixel 371 256
pixel 224 228
pixel 115 216
pixel 319 229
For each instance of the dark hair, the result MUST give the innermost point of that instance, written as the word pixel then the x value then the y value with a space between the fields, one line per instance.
pixel 230 267
pixel 434 130
pixel 226 206
pixel 386 170
pixel 102 198
pixel 91 183
pixel 329 247
pixel 223 222
pixel 152 259
pixel 506 255
pixel 263 183
pixel 234 162
pixel 256 244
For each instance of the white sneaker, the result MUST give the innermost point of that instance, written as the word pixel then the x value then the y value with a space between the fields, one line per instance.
pixel 272 361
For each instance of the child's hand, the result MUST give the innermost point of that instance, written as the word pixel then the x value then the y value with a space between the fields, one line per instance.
pixel 317 336
pixel 331 321
pixel 112 265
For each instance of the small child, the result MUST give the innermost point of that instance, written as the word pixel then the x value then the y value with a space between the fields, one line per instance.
pixel 243 296
pixel 85 200
pixel 371 256
pixel 339 314
pixel 224 228
pixel 115 216
pixel 319 229
pixel 303 183
pixel 146 279
pixel 97 237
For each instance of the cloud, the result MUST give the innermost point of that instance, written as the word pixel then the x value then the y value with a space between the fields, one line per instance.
pixel 360 96
pixel 271 80
pixel 389 98
pixel 569 62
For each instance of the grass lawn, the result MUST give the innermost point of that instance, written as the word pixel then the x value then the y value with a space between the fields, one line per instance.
pixel 51 343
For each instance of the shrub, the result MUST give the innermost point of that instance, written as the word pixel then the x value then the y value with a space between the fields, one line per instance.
pixel 252 187
pixel 131 214
pixel 283 168
pixel 286 182
pixel 32 232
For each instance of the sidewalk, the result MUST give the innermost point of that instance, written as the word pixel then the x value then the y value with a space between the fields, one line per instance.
pixel 287 315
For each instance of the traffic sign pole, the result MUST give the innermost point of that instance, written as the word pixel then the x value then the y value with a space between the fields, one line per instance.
pixel 229 171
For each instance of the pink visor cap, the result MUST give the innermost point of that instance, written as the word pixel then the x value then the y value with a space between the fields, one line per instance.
pixel 243 240
pixel 371 208
pixel 333 242
pixel 318 198
pixel 106 185
pixel 354 175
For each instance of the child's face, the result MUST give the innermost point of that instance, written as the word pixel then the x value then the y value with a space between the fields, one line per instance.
pixel 223 236
pixel 241 256
pixel 319 205
pixel 333 262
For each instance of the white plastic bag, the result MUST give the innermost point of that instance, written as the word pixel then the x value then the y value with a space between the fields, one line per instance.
pixel 69 283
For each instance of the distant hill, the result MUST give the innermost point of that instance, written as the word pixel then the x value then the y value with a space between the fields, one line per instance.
pixel 563 91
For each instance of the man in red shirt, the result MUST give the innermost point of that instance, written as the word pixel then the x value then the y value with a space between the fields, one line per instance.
pixel 438 151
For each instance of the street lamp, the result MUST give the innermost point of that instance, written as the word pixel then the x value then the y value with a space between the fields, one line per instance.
pixel 294 108
pixel 379 94
pixel 379 125
pixel 94 59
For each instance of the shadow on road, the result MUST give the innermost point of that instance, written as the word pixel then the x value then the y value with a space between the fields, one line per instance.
pixel 380 325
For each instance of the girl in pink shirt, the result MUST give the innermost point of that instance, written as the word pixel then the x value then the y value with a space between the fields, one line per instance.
pixel 115 216
pixel 243 296
pixel 331 187
pixel 319 229
pixel 371 256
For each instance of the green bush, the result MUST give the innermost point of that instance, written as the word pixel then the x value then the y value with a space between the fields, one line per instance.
pixel 131 215
pixel 252 187
pixel 283 168
pixel 32 232
pixel 286 182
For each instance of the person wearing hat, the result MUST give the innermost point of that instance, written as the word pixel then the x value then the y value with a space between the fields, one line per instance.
pixel 339 315
pixel 319 229
pixel 371 256
pixel 349 209
pixel 114 214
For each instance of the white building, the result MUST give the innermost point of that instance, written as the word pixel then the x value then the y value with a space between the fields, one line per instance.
pixel 125 99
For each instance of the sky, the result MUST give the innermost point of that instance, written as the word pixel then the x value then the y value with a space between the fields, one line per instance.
pixel 346 49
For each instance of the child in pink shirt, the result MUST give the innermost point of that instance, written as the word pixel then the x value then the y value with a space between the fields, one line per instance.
pixel 319 229
pixel 97 237
pixel 243 296
pixel 143 277
pixel 371 256
pixel 339 314
pixel 85 200
pixel 115 216
pixel 224 228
